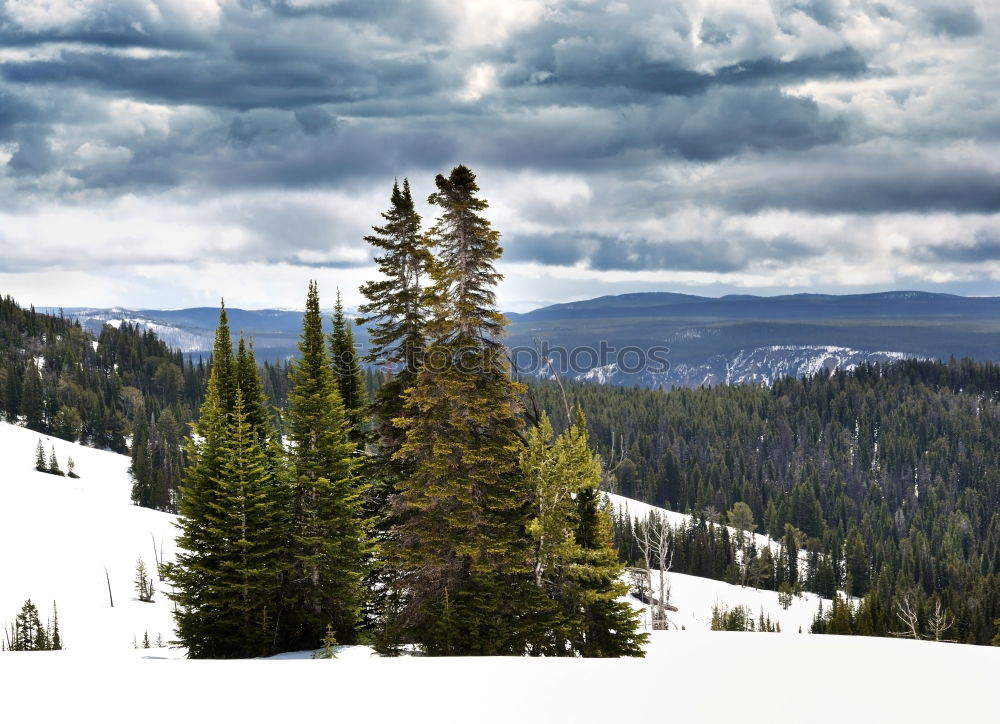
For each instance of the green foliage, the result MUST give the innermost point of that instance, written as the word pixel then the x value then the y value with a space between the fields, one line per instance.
pixel 347 371
pixel 53 467
pixel 461 511
pixel 396 317
pixel 574 561
pixel 232 539
pixel 143 582
pixel 889 473
pixel 40 463
pixel 28 633
pixel 329 649
pixel 330 544
pixel 741 618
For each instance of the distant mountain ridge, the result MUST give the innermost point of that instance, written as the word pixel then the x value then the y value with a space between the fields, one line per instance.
pixel 724 340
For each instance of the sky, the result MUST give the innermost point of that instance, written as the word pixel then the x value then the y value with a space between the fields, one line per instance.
pixel 164 154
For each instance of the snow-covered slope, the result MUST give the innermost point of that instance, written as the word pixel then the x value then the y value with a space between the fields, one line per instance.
pixel 58 534
pixel 637 509
pixel 687 677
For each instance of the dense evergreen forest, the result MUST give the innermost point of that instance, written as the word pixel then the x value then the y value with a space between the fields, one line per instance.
pixel 888 476
pixel 60 381
pixel 124 390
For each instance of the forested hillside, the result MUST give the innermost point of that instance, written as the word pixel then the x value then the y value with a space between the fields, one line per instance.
pixel 107 391
pixel 888 475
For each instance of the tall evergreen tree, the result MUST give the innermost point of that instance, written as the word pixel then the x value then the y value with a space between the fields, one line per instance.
pixel 329 541
pixel 33 399
pixel 347 370
pixel 462 509
pixel 228 568
pixel 40 463
pixel 395 316
pixel 253 555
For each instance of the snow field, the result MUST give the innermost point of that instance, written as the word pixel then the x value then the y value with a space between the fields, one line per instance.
pixel 58 534
pixel 687 677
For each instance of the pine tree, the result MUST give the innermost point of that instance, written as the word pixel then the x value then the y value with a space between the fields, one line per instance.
pixel 228 568
pixel 330 545
pixel 349 375
pixel 54 463
pixel 395 317
pixel 40 463
pixel 29 635
pixel 33 399
pixel 253 557
pixel 56 638
pixel 255 401
pixel 143 583
pixel 461 511
pixel 575 561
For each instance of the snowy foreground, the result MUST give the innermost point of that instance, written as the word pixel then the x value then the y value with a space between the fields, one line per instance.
pixel 58 535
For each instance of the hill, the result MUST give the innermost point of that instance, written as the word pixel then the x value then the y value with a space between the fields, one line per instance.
pixel 745 338
pixel 726 340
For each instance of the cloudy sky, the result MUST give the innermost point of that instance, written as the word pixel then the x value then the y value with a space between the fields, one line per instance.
pixel 162 153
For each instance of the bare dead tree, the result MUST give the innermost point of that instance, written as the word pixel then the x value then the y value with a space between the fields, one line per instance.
pixel 108 579
pixel 940 621
pixel 908 615
pixel 654 540
pixel 157 557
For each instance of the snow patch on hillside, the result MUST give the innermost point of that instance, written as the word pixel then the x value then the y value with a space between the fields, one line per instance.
pixel 59 534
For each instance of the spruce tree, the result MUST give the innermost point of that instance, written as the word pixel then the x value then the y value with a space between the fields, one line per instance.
pixel 330 545
pixel 228 568
pixel 395 316
pixel 253 557
pixel 40 463
pixel 54 463
pixel 462 509
pixel 350 377
pixel 56 638
pixel 29 635
pixel 198 610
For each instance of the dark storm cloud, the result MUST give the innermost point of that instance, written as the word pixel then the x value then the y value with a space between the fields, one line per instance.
pixel 33 154
pixel 193 79
pixel 958 20
pixel 824 12
pixel 638 74
pixel 878 185
pixel 14 108
pixel 326 61
pixel 728 253
pixel 985 247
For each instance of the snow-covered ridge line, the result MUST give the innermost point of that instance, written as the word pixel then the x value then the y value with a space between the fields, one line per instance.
pixel 754 365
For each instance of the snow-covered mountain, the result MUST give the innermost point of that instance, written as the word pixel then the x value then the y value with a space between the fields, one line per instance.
pixel 705 341
pixel 757 365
